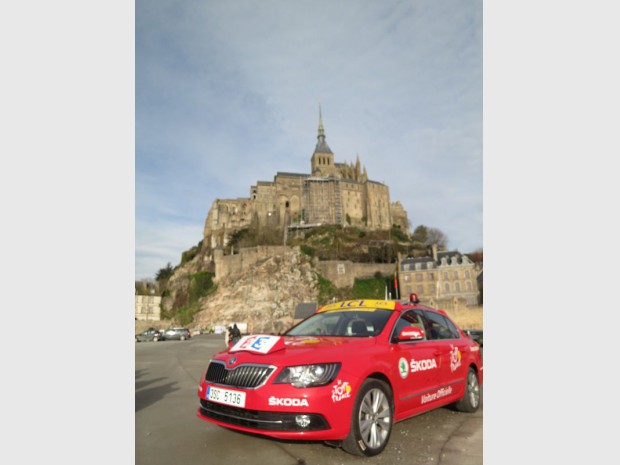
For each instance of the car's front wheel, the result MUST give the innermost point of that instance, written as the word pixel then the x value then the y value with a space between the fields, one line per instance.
pixel 372 419
pixel 471 399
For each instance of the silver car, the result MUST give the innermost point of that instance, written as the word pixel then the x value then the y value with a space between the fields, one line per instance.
pixel 150 334
pixel 178 333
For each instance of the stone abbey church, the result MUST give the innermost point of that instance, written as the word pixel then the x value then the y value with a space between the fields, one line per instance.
pixel 333 193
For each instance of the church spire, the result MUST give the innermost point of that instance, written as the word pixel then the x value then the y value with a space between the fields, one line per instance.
pixel 321 145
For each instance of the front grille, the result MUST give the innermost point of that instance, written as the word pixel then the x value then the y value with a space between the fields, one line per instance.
pixel 256 419
pixel 243 376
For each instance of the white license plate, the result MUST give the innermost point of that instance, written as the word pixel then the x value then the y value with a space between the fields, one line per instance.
pixel 225 396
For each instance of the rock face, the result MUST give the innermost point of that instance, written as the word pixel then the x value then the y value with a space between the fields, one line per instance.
pixel 264 296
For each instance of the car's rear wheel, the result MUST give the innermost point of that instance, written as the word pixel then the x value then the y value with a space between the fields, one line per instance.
pixel 372 419
pixel 182 338
pixel 471 399
pixel 155 339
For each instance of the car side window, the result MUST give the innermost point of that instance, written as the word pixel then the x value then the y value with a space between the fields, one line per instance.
pixel 439 327
pixel 453 329
pixel 407 319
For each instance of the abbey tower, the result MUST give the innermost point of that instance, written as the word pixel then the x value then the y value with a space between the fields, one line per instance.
pixel 334 193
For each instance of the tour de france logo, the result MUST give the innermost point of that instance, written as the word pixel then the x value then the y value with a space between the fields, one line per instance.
pixel 403 367
pixel 342 390
pixel 455 358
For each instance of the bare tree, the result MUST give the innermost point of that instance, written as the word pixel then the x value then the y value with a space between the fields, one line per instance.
pixel 436 236
pixel 424 236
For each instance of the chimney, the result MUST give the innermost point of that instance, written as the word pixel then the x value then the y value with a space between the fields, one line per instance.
pixel 435 252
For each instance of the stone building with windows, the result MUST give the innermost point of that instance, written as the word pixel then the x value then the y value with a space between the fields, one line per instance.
pixel 333 193
pixel 444 277
pixel 148 307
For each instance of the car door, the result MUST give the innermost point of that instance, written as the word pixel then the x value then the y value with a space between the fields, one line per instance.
pixel 450 350
pixel 417 363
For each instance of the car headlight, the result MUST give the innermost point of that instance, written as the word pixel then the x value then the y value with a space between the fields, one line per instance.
pixel 302 376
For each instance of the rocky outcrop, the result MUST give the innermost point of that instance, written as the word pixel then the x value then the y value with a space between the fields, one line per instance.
pixel 264 295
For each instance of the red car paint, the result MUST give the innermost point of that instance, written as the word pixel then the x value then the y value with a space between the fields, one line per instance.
pixel 422 374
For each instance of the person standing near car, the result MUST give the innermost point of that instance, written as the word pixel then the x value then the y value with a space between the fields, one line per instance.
pixel 235 333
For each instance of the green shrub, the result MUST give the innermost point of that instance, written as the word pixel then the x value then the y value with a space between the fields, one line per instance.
pixel 185 315
pixel 200 285
pixel 327 291
pixel 399 234
pixel 309 251
pixel 164 273
pixel 188 255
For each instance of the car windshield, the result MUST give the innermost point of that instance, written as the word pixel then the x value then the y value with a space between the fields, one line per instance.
pixel 348 323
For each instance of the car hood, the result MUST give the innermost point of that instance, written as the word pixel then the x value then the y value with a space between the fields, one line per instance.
pixel 300 350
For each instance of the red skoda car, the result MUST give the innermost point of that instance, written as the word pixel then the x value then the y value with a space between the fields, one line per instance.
pixel 344 375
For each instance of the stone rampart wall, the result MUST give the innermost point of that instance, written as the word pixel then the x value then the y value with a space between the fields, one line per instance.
pixel 227 264
pixel 342 273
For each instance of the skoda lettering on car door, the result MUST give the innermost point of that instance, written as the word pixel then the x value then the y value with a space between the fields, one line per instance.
pixel 418 365
pixel 344 375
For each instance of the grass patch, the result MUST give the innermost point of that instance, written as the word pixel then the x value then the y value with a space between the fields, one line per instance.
pixel 372 288
pixel 327 291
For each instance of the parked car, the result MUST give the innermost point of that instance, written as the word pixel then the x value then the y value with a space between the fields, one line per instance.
pixel 475 334
pixel 150 334
pixel 344 375
pixel 178 333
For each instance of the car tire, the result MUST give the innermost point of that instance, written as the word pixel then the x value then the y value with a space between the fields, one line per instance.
pixel 471 398
pixel 372 419
pixel 182 338
pixel 155 339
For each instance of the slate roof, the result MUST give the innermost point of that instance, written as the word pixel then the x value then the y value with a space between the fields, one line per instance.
pixel 284 173
pixel 440 255
pixel 322 147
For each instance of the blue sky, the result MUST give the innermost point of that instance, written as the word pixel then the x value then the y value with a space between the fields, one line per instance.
pixel 227 94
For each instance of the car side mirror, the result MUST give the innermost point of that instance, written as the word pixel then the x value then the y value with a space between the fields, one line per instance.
pixel 411 333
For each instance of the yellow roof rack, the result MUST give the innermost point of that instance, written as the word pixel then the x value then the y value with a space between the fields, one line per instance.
pixel 363 305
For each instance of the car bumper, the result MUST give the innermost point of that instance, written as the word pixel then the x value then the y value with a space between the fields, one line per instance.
pixel 327 415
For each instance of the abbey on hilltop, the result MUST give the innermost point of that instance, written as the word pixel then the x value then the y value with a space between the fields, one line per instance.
pixel 333 193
